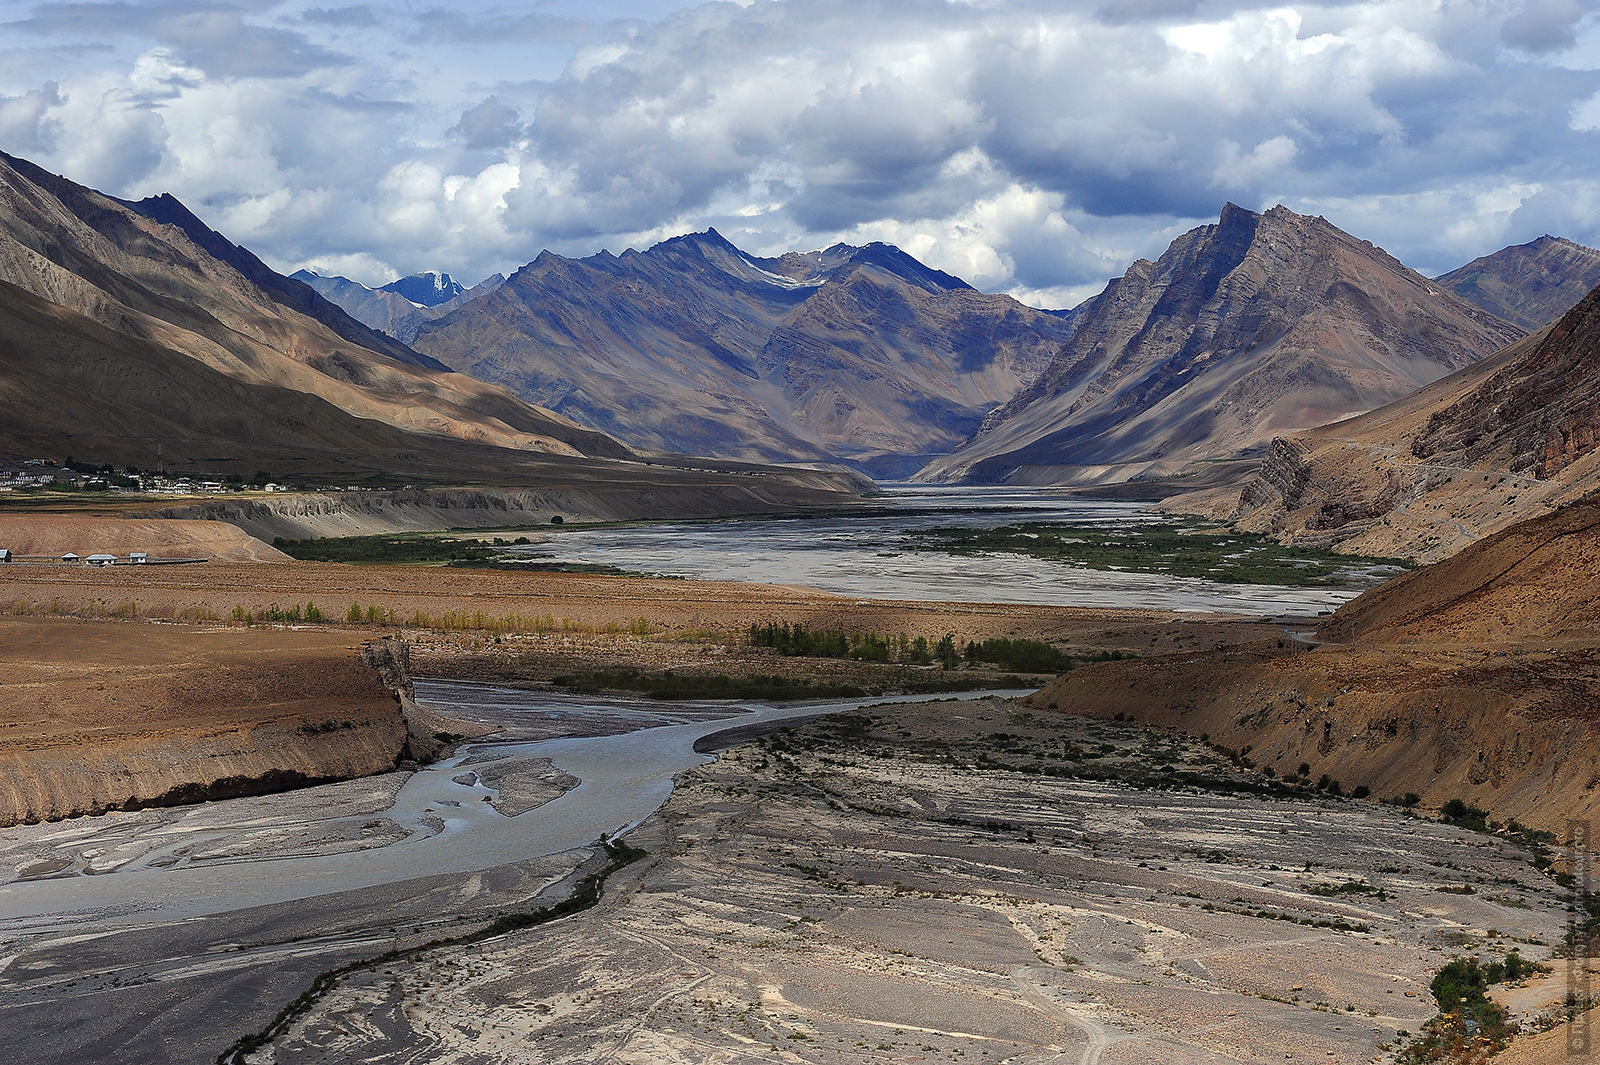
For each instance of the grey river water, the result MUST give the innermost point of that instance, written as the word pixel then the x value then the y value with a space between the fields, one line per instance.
pixel 625 777
pixel 871 556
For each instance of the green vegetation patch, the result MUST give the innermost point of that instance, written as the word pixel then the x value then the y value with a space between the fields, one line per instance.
pixel 1178 548
pixel 669 685
pixel 1468 1019
pixel 393 548
pixel 437 550
pixel 1017 655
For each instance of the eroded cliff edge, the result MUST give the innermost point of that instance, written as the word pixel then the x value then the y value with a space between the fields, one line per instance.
pixel 98 717
pixel 1475 678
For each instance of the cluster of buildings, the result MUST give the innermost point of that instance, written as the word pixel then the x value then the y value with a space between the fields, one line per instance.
pixel 72 558
pixel 43 473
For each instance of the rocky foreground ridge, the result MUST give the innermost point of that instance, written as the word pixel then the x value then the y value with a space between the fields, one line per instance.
pixel 1508 438
pixel 1475 678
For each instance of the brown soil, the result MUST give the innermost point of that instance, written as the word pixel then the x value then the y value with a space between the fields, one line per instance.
pixel 1514 735
pixel 579 603
pixel 1475 678
pixel 84 534
pixel 105 699
pixel 104 715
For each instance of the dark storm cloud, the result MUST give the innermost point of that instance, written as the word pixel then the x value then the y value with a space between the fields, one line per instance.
pixel 491 124
pixel 1544 26
pixel 214 37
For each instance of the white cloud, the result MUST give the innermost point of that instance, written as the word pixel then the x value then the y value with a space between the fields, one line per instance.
pixel 1025 145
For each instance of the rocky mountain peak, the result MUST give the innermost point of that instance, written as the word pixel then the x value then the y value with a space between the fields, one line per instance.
pixel 1241 330
pixel 892 260
pixel 1529 284
pixel 427 289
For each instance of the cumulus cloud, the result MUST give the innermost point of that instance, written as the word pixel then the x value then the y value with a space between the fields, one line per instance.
pixel 26 124
pixel 1019 144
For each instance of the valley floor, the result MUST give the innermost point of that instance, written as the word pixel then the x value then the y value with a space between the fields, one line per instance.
pixel 873 887
pixel 956 880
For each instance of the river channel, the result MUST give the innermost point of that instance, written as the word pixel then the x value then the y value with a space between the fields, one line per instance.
pixel 872 556
pixel 158 866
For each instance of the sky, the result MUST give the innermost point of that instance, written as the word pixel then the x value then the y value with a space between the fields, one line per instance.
pixel 1029 147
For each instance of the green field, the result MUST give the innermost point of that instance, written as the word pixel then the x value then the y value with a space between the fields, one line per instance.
pixel 1178 548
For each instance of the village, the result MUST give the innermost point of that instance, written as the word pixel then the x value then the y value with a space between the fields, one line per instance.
pixel 97 558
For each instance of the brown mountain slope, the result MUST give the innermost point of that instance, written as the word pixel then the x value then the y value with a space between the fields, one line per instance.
pixel 166 209
pixel 1530 284
pixel 132 334
pixel 151 281
pixel 1477 677
pixel 1537 581
pixel 75 386
pixel 101 396
pixel 1470 454
pixel 1242 331
pixel 860 354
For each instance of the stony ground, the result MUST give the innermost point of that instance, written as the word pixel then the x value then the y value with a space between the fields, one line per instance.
pixel 970 881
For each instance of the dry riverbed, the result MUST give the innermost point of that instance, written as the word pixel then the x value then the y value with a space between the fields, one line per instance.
pixel 970 881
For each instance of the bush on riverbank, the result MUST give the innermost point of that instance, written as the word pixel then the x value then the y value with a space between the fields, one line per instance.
pixel 1019 655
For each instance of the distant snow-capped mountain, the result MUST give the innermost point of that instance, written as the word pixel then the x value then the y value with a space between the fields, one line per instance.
pixel 427 289
pixel 398 308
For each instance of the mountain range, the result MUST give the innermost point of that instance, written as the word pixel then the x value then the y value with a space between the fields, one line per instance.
pixel 1183 370
pixel 133 328
pixel 1241 331
pixel 859 354
pixel 134 334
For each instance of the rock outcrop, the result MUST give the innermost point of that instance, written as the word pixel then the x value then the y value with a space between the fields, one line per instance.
pixel 1505 439
pixel 428 733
